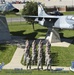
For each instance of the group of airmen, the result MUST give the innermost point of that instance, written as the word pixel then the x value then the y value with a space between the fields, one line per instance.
pixel 36 56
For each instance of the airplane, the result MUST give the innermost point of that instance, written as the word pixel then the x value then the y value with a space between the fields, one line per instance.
pixel 7 7
pixel 52 22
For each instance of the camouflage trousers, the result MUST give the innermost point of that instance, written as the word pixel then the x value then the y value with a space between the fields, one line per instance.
pixel 25 56
pixel 28 66
pixel 39 64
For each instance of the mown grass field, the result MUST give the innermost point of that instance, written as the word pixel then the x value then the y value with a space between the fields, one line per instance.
pixel 60 56
pixel 6 52
pixel 25 29
pixel 69 13
pixel 34 72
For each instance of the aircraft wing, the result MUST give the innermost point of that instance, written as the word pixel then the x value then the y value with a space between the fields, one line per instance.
pixel 39 18
pixel 48 17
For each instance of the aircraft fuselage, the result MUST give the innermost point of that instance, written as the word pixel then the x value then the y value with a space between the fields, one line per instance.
pixel 62 22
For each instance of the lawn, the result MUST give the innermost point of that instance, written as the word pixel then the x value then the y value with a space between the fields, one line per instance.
pixel 11 15
pixel 25 29
pixel 68 13
pixel 34 72
pixel 6 52
pixel 60 56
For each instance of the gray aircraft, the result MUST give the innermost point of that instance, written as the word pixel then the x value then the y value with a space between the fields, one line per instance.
pixel 52 21
pixel 7 8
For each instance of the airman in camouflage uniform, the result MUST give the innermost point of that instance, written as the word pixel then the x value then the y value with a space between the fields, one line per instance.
pixel 26 51
pixel 28 62
pixel 34 52
pixel 40 55
pixel 48 61
pixel 25 55
pixel 39 62
pixel 27 45
pixel 47 54
pixel 48 45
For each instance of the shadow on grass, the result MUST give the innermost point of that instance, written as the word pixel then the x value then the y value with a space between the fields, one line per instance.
pixel 18 33
pixel 3 47
pixel 29 36
pixel 54 59
pixel 41 30
pixel 72 41
pixel 66 39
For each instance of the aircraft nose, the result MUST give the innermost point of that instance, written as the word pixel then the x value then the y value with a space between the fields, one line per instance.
pixel 8 7
pixel 15 10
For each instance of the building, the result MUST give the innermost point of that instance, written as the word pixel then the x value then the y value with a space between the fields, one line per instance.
pixel 47 3
pixel 57 2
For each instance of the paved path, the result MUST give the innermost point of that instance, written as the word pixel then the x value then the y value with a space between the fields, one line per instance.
pixel 15 19
pixel 16 62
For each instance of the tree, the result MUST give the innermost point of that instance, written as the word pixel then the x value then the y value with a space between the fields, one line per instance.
pixel 30 8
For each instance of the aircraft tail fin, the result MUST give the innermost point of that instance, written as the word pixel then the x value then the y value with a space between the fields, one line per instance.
pixel 41 11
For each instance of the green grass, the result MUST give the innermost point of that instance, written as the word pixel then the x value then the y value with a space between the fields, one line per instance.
pixel 6 52
pixel 11 15
pixel 60 56
pixel 25 29
pixel 68 13
pixel 34 72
